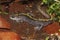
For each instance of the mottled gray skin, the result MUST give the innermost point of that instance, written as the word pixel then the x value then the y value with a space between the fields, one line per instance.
pixel 39 24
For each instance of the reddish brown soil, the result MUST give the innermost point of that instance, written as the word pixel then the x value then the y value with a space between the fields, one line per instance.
pixel 52 28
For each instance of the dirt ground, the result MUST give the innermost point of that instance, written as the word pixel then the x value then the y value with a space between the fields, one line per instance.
pixel 25 29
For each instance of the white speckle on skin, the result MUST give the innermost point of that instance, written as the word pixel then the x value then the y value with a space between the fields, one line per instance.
pixel 37 28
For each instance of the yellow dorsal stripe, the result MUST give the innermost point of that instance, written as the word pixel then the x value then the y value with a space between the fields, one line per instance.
pixel 36 18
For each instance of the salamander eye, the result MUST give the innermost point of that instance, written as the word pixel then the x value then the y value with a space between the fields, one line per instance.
pixel 12 16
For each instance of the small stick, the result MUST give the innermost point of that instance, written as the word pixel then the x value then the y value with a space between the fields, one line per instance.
pixel 42 12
